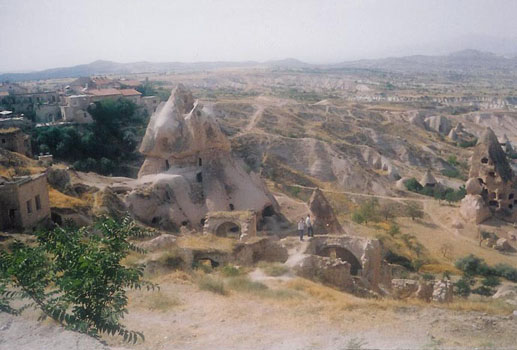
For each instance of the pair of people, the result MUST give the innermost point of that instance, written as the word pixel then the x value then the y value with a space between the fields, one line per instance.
pixel 302 224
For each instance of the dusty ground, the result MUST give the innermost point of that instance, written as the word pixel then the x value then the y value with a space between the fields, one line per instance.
pixel 180 316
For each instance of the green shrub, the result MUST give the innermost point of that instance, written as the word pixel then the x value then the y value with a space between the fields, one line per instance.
pixel 506 271
pixel 453 160
pixel 452 172
pixel 467 144
pixel 367 211
pixel 413 185
pixel 230 271
pixel 357 218
pixel 428 277
pixel 491 281
pixel 472 265
pixel 464 286
pixel 393 229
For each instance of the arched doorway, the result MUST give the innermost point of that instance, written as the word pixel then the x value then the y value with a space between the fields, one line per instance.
pixel 343 254
pixel 228 229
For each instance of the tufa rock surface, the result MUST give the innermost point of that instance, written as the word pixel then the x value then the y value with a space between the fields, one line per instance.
pixel 324 218
pixel 189 170
pixel 491 188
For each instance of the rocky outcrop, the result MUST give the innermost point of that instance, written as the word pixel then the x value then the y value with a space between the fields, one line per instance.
pixel 163 241
pixel 365 257
pixel 503 245
pixel 439 123
pixel 260 249
pixel 106 202
pixel 403 288
pixel 418 121
pixel 440 291
pixel 508 293
pixel 189 170
pixel 428 180
pixel 474 209
pixel 491 189
pixel 333 272
pixel 443 291
pixel 324 218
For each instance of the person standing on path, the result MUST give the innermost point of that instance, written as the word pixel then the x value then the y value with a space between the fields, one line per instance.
pixel 308 223
pixel 301 228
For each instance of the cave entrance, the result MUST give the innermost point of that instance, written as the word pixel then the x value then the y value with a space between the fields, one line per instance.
pixel 268 211
pixel 228 229
pixel 343 254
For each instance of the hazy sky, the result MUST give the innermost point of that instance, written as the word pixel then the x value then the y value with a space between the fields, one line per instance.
pixel 38 34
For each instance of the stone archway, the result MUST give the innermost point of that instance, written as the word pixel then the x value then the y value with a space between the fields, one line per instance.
pixel 228 229
pixel 343 254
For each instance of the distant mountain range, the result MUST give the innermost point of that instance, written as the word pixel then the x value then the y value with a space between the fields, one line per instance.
pixel 466 62
pixel 461 62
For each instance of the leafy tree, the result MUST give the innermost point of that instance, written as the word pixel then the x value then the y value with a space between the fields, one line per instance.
pixel 413 185
pixel 75 276
pixel 453 160
pixel 367 211
pixel 471 265
pixel 394 229
pixel 464 286
pixel 414 211
pixel 101 146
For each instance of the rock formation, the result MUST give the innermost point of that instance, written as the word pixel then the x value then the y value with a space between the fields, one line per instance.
pixel 438 123
pixel 351 263
pixel 428 180
pixel 494 193
pixel 440 291
pixel 189 169
pixel 323 215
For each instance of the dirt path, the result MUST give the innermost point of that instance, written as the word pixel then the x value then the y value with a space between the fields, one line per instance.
pixel 367 194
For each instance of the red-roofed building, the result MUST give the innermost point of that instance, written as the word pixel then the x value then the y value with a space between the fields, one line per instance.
pixel 99 94
pixel 132 95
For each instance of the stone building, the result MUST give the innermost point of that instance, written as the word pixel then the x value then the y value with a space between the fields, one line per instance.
pixel 234 224
pixel 14 140
pixel 347 262
pixel 42 106
pixel 75 109
pixel 151 103
pixel 24 202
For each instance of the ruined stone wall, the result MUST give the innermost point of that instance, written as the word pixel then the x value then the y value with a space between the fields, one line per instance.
pixel 245 220
pixel 34 192
pixel 15 141
pixel 9 202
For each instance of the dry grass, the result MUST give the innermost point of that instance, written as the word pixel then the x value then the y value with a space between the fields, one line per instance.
pixel 211 284
pixel 61 200
pixel 273 269
pixel 439 269
pixel 244 285
pixel 161 301
pixel 338 301
pixel 206 242
pixel 481 304
pixel 133 259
